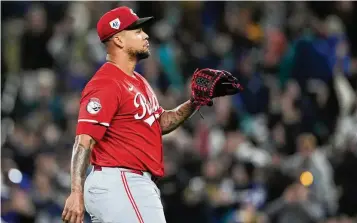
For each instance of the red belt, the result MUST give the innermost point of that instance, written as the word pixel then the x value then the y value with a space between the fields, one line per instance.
pixel 153 178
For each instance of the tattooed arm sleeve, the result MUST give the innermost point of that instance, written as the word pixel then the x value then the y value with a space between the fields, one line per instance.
pixel 171 119
pixel 80 161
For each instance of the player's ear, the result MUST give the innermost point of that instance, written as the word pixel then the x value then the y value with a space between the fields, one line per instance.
pixel 119 40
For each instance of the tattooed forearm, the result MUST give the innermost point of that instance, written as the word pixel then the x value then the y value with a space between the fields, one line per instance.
pixel 172 119
pixel 80 161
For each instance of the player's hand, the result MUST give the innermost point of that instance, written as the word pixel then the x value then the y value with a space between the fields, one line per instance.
pixel 74 208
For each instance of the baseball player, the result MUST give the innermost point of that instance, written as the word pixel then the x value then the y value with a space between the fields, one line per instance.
pixel 120 128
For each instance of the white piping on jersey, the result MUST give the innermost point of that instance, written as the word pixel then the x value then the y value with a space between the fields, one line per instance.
pixel 94 121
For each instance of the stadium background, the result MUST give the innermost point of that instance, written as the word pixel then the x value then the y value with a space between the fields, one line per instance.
pixel 285 150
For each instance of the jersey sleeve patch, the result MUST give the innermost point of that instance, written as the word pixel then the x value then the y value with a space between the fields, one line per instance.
pixel 94 106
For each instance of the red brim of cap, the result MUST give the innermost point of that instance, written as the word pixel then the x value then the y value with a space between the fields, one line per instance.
pixel 139 23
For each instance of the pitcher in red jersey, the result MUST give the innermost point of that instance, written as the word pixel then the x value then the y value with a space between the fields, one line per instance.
pixel 119 132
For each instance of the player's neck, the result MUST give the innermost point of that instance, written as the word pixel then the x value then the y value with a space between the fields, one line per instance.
pixel 127 65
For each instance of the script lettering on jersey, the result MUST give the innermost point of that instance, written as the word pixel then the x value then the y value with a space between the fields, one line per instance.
pixel 147 107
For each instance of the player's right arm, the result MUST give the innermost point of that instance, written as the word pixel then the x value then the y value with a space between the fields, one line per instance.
pixel 98 105
pixel 80 161
pixel 74 207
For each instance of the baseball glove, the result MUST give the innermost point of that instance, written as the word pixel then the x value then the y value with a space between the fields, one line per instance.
pixel 207 84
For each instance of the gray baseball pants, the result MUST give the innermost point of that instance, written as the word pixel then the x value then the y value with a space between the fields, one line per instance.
pixel 116 195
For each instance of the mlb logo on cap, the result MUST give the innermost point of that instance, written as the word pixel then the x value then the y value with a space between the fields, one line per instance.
pixel 115 24
pixel 117 20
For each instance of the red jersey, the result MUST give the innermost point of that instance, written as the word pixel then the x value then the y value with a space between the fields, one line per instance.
pixel 121 113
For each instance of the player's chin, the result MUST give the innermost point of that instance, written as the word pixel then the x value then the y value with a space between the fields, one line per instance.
pixel 143 54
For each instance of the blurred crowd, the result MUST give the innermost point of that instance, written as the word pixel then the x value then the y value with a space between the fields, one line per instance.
pixel 283 151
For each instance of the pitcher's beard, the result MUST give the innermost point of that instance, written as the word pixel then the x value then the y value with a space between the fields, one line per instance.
pixel 139 54
pixel 142 55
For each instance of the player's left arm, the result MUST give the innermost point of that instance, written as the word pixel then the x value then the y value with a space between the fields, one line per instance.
pixel 171 119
